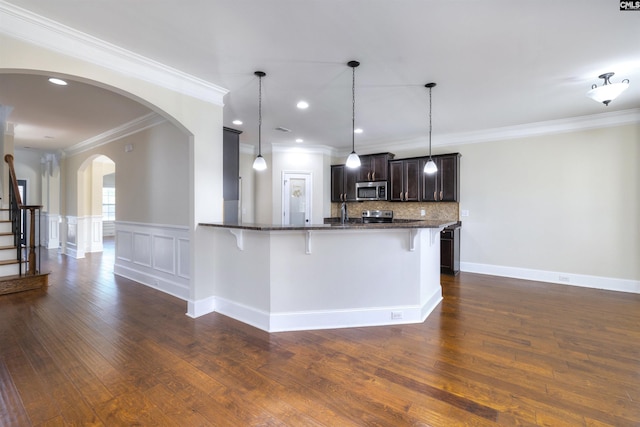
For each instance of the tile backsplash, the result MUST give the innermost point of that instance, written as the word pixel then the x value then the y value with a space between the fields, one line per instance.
pixel 405 210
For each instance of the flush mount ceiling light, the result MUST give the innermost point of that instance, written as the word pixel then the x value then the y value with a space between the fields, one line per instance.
pixel 57 81
pixel 353 161
pixel 358 130
pixel 237 122
pixel 608 91
pixel 430 167
pixel 302 105
pixel 259 163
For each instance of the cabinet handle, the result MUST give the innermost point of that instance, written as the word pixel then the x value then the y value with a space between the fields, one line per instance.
pixel 406 195
pixel 435 195
pixel 373 176
pixel 440 194
pixel 401 196
pixel 368 176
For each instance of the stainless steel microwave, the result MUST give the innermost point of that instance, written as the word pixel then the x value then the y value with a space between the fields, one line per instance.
pixel 376 190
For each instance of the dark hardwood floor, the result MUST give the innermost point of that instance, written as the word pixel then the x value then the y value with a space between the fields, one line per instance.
pixel 96 349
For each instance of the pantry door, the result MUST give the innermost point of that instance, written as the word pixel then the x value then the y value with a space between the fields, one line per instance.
pixel 296 198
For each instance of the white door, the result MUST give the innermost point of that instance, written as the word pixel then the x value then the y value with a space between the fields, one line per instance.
pixel 296 198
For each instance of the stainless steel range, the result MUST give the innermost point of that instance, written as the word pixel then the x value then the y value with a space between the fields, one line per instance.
pixel 377 216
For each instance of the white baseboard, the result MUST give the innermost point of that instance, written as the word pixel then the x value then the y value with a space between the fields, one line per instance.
pixel 176 289
pixel 585 281
pixel 310 320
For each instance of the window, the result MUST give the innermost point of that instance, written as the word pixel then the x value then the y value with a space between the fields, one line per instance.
pixel 108 204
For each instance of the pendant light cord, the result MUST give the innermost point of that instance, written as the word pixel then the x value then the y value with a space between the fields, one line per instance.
pixel 430 109
pixel 353 109
pixel 260 115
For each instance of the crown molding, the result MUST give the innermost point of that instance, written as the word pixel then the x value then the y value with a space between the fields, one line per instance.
pixel 130 128
pixel 573 124
pixel 24 25
pixel 298 148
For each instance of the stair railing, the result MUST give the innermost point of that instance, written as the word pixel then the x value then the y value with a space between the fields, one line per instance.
pixel 15 215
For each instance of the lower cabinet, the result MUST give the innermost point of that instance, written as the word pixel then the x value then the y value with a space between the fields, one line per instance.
pixel 450 250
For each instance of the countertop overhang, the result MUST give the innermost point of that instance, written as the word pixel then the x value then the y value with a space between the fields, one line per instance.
pixel 403 224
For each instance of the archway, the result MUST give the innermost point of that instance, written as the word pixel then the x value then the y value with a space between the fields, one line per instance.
pixel 86 229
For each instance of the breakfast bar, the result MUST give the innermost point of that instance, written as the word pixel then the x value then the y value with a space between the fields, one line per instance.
pixel 284 278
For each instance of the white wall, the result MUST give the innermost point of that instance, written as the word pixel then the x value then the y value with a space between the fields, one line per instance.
pixel 564 203
pixel 560 208
pixel 298 160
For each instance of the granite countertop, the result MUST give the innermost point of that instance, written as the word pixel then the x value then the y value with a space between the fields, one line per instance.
pixel 355 224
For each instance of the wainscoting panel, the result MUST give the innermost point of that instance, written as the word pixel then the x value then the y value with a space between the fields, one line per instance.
pixel 183 258
pixel 71 246
pixel 142 249
pixel 163 254
pixel 124 246
pixel 154 255
pixel 50 237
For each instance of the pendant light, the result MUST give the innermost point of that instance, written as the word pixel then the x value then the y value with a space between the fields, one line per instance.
pixel 353 161
pixel 259 163
pixel 430 167
pixel 608 91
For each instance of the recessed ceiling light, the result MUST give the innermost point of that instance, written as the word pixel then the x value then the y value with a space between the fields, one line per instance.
pixel 302 105
pixel 58 82
pixel 299 140
pixel 237 122
pixel 357 130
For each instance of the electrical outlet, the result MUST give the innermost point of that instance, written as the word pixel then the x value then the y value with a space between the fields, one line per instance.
pixel 464 212
pixel 396 315
pixel 423 212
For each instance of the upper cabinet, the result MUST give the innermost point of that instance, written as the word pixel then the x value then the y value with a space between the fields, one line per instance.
pixel 407 181
pixel 444 185
pixel 343 183
pixel 404 182
pixel 374 167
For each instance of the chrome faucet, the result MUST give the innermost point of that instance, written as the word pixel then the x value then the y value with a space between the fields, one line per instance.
pixel 344 213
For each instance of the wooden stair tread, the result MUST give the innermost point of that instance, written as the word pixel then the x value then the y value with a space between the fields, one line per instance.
pixel 9 262
pixel 8 247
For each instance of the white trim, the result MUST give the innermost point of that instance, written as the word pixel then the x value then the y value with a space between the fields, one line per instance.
pixel 134 126
pixel 277 147
pixel 201 307
pixel 585 281
pixel 573 124
pixel 142 254
pixel 25 25
pixel 178 290
pixel 313 320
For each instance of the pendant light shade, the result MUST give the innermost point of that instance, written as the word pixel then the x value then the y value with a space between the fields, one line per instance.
pixel 259 163
pixel 608 91
pixel 353 161
pixel 430 167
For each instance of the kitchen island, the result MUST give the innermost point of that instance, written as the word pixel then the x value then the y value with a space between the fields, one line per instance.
pixel 284 278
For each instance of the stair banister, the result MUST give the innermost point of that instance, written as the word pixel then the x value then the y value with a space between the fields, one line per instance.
pixel 16 208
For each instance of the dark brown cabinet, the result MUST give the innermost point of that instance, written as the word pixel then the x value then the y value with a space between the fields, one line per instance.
pixel 404 180
pixel 374 167
pixel 343 183
pixel 450 250
pixel 444 185
pixel 231 174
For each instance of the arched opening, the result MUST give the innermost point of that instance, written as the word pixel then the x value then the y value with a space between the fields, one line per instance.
pixel 92 206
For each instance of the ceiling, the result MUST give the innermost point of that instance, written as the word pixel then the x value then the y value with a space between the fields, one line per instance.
pixel 497 63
